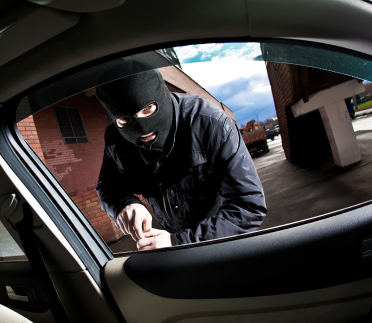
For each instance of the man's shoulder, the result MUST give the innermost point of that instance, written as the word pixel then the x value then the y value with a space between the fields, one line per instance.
pixel 205 122
pixel 198 109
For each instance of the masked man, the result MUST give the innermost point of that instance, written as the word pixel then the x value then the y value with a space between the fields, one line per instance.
pixel 184 155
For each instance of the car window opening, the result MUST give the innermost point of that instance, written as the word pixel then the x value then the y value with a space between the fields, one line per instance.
pixel 307 129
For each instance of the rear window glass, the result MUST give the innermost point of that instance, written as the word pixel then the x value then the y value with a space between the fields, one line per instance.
pixel 303 116
pixel 9 249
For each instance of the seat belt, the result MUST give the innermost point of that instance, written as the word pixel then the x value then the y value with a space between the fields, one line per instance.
pixel 32 249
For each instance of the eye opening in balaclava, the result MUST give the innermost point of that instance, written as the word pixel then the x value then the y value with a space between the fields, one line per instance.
pixel 127 96
pixel 150 114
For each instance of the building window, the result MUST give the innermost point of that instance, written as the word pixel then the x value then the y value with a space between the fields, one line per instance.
pixel 70 125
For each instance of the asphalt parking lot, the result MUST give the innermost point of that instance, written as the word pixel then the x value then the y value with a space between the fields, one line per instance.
pixel 295 193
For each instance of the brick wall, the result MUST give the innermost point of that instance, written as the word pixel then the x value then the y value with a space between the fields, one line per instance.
pixel 281 86
pixel 88 202
pixel 76 166
pixel 28 131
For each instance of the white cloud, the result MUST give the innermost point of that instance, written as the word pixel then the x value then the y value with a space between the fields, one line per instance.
pixel 213 73
pixel 230 73
pixel 209 49
pixel 191 51
pixel 249 98
pixel 186 52
pixel 248 52
pixel 262 89
pixel 242 85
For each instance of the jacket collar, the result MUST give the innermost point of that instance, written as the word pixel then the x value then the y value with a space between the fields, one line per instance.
pixel 176 107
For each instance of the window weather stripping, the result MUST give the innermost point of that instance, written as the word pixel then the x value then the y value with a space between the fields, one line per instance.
pixel 7 25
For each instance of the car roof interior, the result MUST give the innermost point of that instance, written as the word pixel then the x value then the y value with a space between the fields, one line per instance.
pixel 50 40
pixel 128 28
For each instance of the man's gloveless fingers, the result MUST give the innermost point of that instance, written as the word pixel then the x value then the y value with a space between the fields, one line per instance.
pixel 132 232
pixel 145 242
pixel 147 222
pixel 150 233
pixel 126 222
pixel 121 224
pixel 131 226
pixel 137 225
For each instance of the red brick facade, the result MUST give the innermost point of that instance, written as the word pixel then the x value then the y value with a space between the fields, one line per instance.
pixel 88 202
pixel 28 130
pixel 281 86
pixel 76 166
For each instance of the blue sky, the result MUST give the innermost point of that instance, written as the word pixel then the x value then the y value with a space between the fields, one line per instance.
pixel 234 74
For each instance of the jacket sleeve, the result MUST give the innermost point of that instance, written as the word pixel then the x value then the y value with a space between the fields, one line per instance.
pixel 111 187
pixel 244 206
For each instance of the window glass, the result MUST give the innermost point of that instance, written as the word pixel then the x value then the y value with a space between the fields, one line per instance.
pixel 269 132
pixel 9 249
pixel 70 125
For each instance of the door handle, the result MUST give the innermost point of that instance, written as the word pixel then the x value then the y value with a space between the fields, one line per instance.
pixel 12 295
pixel 21 293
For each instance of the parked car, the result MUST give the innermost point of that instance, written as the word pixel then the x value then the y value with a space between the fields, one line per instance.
pixel 61 270
pixel 271 134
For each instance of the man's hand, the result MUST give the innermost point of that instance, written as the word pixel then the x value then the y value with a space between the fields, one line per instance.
pixel 131 218
pixel 154 239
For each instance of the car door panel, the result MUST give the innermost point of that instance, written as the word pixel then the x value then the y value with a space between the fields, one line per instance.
pixel 139 305
pixel 318 254
pixel 316 264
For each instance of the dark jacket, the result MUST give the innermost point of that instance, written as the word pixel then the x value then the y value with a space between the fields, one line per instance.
pixel 208 186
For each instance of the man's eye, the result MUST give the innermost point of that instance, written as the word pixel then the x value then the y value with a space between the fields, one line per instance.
pixel 149 110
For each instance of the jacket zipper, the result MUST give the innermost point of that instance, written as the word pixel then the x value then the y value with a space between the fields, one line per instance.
pixel 165 207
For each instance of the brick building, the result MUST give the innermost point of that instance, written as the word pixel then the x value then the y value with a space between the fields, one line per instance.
pixel 312 134
pixel 77 165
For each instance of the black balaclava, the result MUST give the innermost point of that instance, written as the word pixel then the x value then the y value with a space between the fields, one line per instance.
pixel 124 97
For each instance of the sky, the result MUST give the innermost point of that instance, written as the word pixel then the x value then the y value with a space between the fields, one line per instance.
pixel 234 74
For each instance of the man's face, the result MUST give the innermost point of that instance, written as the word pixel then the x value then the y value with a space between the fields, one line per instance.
pixel 141 107
pixel 146 139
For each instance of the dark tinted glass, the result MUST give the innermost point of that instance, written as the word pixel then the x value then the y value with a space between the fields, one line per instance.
pixel 64 122
pixel 76 122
